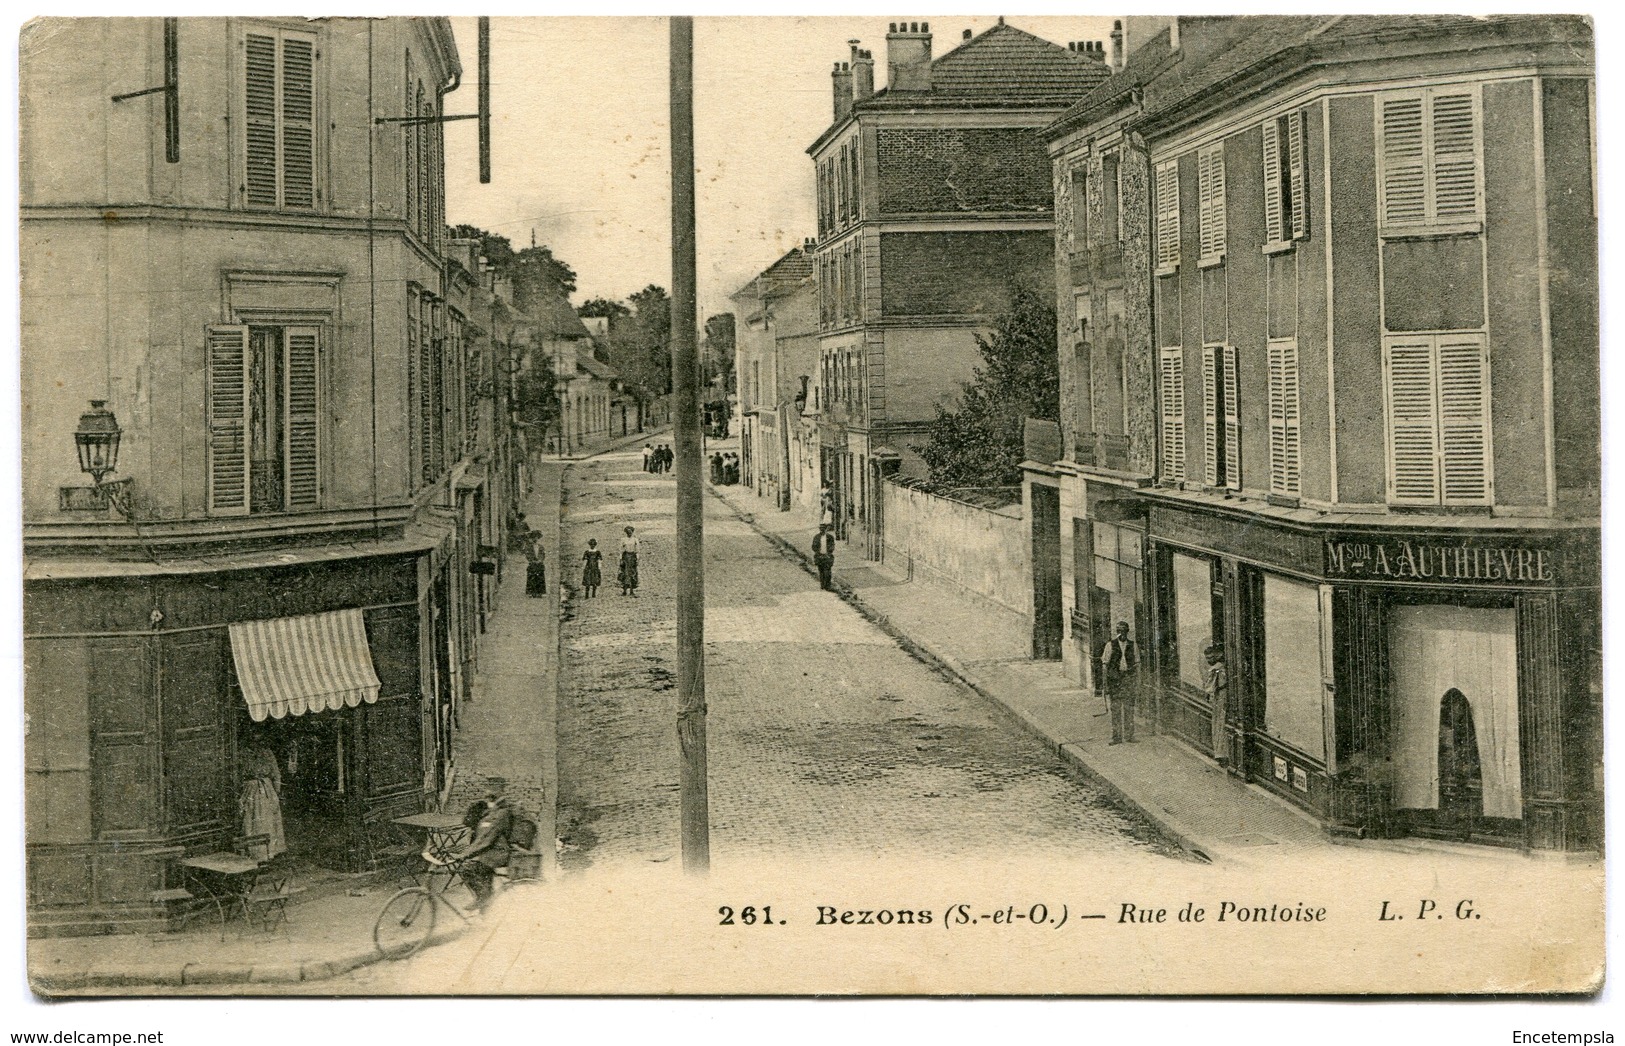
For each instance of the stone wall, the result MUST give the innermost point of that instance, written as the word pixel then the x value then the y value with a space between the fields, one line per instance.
pixel 977 550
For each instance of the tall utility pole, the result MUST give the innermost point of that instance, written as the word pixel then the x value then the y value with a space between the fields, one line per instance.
pixel 685 381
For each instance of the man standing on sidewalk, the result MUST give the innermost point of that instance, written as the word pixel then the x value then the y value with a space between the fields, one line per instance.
pixel 824 555
pixel 1120 666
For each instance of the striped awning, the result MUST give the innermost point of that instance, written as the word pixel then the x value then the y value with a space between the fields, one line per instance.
pixel 313 663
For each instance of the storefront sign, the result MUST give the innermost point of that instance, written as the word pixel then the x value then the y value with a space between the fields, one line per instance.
pixel 1402 559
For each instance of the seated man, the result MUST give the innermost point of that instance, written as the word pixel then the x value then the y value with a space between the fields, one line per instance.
pixel 487 851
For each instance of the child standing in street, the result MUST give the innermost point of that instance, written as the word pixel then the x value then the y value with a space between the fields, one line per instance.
pixel 591 570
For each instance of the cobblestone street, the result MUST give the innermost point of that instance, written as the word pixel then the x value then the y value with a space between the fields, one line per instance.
pixel 825 736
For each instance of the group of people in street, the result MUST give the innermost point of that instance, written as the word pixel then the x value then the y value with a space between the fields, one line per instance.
pixel 659 459
pixel 724 469
pixel 528 540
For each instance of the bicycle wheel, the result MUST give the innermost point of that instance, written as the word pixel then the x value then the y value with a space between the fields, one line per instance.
pixel 405 923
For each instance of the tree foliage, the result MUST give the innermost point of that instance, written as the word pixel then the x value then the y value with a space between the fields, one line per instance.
pixel 980 443
pixel 538 401
pixel 719 352
pixel 532 270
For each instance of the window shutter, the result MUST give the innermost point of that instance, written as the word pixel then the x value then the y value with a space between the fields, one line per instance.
pixel 228 362
pixel 1273 231
pixel 259 98
pixel 1404 178
pixel 409 139
pixel 1464 418
pixel 1232 418
pixel 302 394
pixel 1296 173
pixel 1173 414
pixel 1210 415
pixel 1455 157
pixel 422 132
pixel 298 123
pixel 1168 214
pixel 1412 423
pixel 1210 196
pixel 1283 411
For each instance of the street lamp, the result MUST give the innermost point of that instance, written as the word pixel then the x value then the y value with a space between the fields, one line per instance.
pixel 97 440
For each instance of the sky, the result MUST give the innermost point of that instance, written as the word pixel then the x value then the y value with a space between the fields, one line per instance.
pixel 580 137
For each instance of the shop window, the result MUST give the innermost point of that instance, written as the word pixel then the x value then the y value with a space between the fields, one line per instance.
pixel 1286 199
pixel 264 402
pixel 1428 150
pixel 1285 440
pixel 1118 567
pixel 1293 692
pixel 279 119
pixel 1438 419
pixel 1193 617
pixel 1210 203
pixel 1167 216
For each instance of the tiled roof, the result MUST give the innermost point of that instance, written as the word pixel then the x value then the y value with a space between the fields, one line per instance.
pixel 1003 66
pixel 593 365
pixel 795 265
pixel 554 316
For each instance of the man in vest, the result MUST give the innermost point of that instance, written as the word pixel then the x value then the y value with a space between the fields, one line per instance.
pixel 1120 667
pixel 824 555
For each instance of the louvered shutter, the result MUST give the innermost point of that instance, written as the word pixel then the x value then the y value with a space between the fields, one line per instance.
pixel 260 112
pixel 1455 157
pixel 302 393
pixel 227 410
pixel 1210 195
pixel 1168 214
pixel 1296 167
pixel 298 123
pixel 1273 228
pixel 422 132
pixel 1404 175
pixel 1284 419
pixel 409 138
pixel 1210 415
pixel 1173 414
pixel 1463 418
pixel 1231 389
pixel 1412 421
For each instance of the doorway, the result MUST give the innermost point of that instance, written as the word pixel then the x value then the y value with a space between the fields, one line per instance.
pixel 1046 545
pixel 313 759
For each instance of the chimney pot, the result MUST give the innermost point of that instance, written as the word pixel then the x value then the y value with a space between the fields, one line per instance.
pixel 965 35
pixel 892 28
pixel 925 27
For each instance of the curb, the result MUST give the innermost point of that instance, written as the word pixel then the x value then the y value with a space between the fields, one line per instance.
pixel 948 666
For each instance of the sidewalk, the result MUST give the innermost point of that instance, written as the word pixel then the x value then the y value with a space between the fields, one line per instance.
pixel 1191 799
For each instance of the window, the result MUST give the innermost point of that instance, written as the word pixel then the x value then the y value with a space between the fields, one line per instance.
pixel 1221 433
pixel 1110 192
pixel 1428 150
pixel 279 119
pixel 1284 421
pixel 1210 202
pixel 1438 419
pixel 1117 565
pixel 854 179
pixel 1167 201
pixel 1172 401
pixel 1293 692
pixel 1080 210
pixel 1286 197
pixel 1193 617
pixel 264 406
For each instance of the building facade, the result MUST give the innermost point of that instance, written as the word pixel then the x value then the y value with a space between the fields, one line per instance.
pixel 933 197
pixel 1329 354
pixel 303 479
pixel 775 358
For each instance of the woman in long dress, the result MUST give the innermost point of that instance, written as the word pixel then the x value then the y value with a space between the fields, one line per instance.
pixel 261 802
pixel 592 569
pixel 628 576
pixel 535 566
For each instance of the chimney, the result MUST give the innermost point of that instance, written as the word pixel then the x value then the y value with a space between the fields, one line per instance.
pixel 863 74
pixel 842 77
pixel 1173 33
pixel 908 56
pixel 1117 45
pixel 966 35
pixel 809 245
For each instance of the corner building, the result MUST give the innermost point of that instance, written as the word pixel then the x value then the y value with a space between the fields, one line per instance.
pixel 1328 328
pixel 933 197
pixel 264 309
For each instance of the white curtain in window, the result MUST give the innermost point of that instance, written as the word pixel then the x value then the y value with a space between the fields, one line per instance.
pixel 1293 692
pixel 1193 616
pixel 1433 649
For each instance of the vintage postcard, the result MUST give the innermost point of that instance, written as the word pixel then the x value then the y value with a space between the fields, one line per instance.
pixel 975 505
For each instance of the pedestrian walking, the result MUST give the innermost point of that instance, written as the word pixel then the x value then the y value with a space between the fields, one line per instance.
pixel 1120 667
pixel 628 576
pixel 648 457
pixel 716 470
pixel 592 568
pixel 667 457
pixel 823 547
pixel 535 565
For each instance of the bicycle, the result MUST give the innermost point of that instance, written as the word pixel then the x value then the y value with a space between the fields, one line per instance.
pixel 407 920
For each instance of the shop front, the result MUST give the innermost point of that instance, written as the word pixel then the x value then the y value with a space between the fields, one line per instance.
pixel 1438 678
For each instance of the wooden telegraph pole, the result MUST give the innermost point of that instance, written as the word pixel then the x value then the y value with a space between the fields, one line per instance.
pixel 685 380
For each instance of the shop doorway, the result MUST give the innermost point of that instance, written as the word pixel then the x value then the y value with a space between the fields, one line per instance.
pixel 313 760
pixel 1457 771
